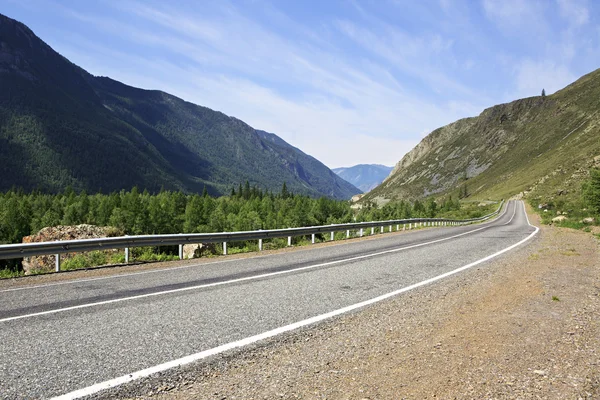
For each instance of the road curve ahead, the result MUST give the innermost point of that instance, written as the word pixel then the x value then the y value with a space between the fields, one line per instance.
pixel 89 334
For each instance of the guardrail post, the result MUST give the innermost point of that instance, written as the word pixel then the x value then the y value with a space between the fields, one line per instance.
pixel 390 228
pixel 224 248
pixel 361 232
pixel 289 241
pixel 332 236
pixel 410 226
pixel 181 252
pixel 260 245
pixel 397 227
pixel 312 238
pixel 57 263
pixel 381 229
pixel 127 255
pixel 347 233
pixel 372 230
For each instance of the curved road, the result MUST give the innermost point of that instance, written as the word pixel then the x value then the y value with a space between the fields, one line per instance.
pixel 59 338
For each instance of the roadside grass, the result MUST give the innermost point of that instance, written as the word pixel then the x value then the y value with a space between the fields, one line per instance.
pixel 570 252
pixel 8 273
pixel 574 211
pixel 471 209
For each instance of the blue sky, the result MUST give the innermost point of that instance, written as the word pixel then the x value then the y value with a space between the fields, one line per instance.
pixel 346 81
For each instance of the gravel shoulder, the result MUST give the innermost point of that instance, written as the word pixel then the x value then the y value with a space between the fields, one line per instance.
pixel 524 326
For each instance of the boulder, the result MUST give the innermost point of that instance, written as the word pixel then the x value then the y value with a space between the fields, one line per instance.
pixel 197 250
pixel 560 218
pixel 588 220
pixel 64 232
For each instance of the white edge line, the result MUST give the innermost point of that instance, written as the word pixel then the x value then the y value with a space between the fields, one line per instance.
pixel 268 334
pixel 249 278
pixel 75 281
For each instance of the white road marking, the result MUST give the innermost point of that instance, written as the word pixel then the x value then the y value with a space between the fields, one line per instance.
pixel 249 278
pixel 265 335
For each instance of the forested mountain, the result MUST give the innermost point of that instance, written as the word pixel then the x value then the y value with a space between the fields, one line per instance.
pixel 364 176
pixel 542 146
pixel 61 127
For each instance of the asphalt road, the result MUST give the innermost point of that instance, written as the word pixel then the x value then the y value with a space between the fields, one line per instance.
pixel 63 337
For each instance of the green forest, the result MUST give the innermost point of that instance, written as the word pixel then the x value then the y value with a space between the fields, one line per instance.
pixel 245 208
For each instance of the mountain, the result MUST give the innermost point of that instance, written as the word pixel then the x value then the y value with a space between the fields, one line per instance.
pixel 541 146
pixel 364 176
pixel 61 126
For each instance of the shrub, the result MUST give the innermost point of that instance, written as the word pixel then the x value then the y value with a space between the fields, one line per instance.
pixel 591 190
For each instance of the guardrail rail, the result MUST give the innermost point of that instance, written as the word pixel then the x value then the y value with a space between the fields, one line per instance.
pixel 21 250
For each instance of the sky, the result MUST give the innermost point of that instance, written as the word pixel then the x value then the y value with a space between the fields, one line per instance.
pixel 348 82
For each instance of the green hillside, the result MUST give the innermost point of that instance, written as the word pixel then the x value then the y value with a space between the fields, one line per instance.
pixel 541 146
pixel 61 127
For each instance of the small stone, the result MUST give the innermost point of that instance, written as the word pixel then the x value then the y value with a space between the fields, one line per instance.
pixel 539 372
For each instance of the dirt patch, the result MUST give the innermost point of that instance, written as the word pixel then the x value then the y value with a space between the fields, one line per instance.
pixel 525 326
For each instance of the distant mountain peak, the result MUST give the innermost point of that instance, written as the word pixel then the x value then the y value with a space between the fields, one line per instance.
pixel 364 176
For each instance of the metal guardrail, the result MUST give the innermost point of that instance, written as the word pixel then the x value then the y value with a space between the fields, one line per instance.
pixel 57 248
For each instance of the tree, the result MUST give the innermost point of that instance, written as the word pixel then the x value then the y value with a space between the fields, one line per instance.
pixel 246 192
pixel 591 190
pixel 284 191
pixel 543 93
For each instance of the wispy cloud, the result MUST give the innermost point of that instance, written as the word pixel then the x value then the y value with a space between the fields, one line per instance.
pixel 574 11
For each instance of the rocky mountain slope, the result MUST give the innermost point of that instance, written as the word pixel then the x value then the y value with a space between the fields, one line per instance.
pixel 61 126
pixel 542 146
pixel 364 176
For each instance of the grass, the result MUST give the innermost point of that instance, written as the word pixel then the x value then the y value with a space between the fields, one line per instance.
pixel 91 259
pixel 555 298
pixel 9 273
pixel 469 210
pixel 570 252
